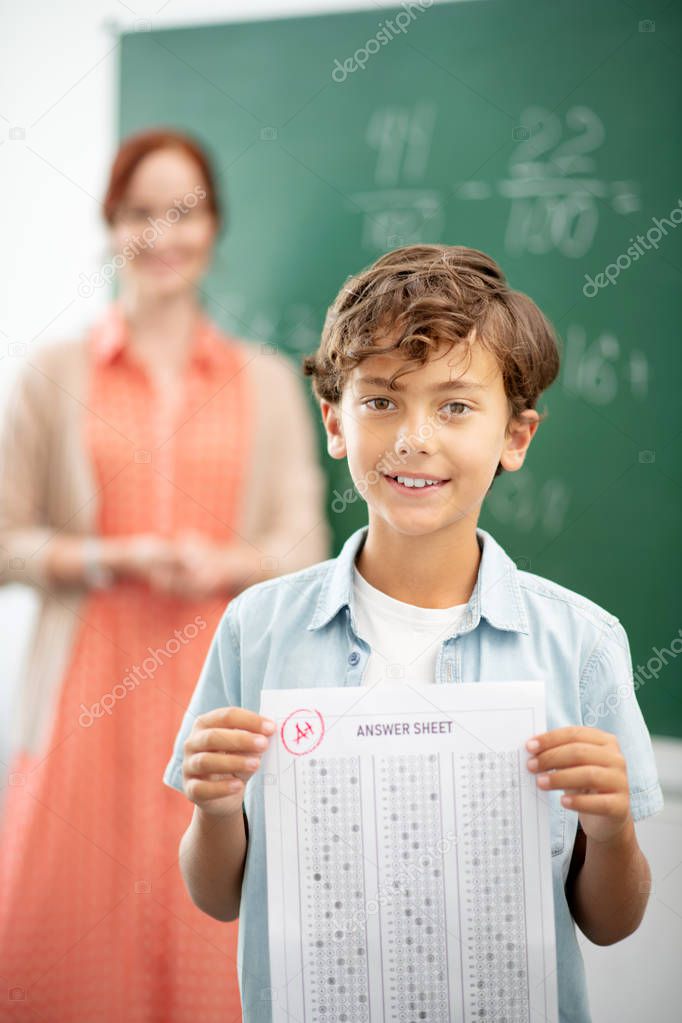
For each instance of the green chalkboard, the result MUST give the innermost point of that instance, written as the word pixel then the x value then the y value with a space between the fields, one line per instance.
pixel 546 135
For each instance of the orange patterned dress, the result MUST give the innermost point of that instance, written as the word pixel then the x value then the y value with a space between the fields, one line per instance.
pixel 96 925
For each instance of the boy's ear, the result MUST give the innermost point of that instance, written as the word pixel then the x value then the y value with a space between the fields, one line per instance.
pixel 519 435
pixel 331 417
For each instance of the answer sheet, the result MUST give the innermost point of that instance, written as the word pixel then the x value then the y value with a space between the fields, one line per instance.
pixel 408 855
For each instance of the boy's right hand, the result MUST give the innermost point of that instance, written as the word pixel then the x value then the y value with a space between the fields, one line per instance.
pixel 221 753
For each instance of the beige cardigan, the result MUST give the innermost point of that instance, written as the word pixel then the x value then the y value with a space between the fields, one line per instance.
pixel 47 486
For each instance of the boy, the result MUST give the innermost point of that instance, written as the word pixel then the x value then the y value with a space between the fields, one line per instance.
pixel 427 374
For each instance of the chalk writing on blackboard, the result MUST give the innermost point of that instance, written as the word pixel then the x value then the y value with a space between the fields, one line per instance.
pixel 597 370
pixel 520 500
pixel 400 210
pixel 554 186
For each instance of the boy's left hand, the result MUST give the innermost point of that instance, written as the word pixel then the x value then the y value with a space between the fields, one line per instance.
pixel 588 765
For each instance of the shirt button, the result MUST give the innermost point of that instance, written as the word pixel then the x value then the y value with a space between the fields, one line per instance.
pixel 354 657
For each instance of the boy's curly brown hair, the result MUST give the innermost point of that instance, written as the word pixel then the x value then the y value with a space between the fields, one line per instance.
pixel 427 295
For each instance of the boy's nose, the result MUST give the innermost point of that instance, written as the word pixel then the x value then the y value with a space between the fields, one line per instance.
pixel 418 438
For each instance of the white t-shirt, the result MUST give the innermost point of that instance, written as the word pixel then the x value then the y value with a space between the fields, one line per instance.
pixel 404 639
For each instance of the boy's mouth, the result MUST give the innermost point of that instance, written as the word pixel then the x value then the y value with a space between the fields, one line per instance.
pixel 415 484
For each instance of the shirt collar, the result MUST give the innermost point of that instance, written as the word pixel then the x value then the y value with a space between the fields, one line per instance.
pixel 110 338
pixel 496 596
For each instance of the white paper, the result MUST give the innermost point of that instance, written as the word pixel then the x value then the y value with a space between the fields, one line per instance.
pixel 408 855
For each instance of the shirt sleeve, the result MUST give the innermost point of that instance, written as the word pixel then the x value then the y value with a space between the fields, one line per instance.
pixel 24 469
pixel 219 685
pixel 609 702
pixel 288 484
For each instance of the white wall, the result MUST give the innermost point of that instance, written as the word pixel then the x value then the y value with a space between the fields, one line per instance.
pixel 58 79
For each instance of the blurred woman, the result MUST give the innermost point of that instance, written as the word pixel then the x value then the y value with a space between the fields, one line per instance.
pixel 150 469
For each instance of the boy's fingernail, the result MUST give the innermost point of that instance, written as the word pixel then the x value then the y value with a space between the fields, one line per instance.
pixel 532 744
pixel 269 726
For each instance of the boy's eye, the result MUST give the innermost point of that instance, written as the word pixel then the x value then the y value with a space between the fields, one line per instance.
pixel 459 405
pixel 381 409
pixel 452 407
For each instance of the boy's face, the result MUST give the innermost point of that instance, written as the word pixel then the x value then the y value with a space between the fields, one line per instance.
pixel 435 427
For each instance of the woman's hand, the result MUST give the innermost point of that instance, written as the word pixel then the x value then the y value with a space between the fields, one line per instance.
pixel 125 557
pixel 588 765
pixel 190 565
pixel 143 556
pixel 202 568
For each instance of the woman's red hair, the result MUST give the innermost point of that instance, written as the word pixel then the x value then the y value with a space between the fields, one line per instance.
pixel 134 149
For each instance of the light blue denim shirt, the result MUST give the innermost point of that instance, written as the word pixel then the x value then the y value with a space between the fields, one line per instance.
pixel 299 630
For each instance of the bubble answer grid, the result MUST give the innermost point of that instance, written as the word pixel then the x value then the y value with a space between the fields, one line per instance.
pixel 331 845
pixel 492 944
